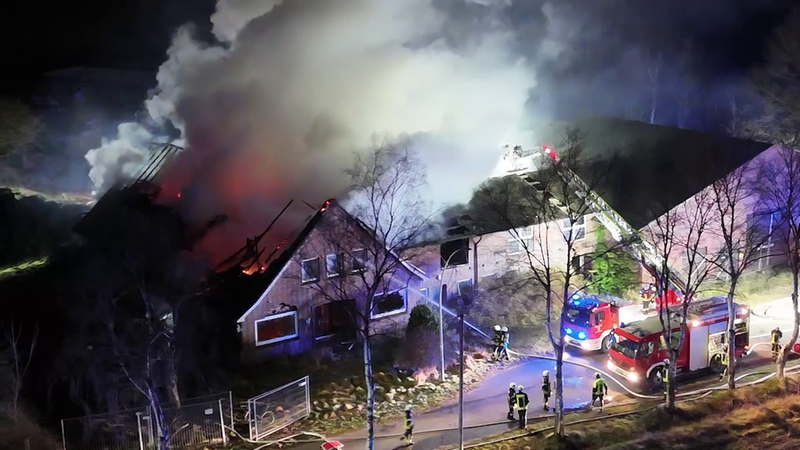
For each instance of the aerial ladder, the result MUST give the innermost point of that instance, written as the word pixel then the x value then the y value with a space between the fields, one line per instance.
pixel 642 250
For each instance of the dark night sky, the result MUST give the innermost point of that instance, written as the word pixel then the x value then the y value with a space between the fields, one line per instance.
pixel 134 34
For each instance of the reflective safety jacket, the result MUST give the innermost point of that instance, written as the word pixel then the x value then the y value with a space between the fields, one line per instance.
pixel 665 374
pixel 599 387
pixel 409 422
pixel 522 401
pixel 498 338
pixel 546 385
pixel 776 336
pixel 723 359
pixel 506 336
pixel 512 394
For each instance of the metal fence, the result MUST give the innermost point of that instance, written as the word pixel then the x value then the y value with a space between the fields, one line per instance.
pixel 197 421
pixel 278 408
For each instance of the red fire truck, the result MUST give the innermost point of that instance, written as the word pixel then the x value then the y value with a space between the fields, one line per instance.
pixel 638 349
pixel 589 320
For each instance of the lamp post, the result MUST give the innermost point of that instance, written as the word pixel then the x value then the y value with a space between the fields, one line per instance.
pixel 441 306
pixel 461 382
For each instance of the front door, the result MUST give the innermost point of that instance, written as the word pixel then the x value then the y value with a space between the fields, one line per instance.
pixel 335 320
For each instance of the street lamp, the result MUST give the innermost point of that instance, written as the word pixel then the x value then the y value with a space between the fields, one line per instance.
pixel 441 308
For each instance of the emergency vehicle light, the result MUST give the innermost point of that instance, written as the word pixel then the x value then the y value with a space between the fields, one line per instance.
pixel 581 335
pixel 744 311
pixel 695 323
pixel 568 330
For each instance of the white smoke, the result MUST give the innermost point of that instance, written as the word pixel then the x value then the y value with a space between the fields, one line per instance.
pixel 277 107
pixel 118 158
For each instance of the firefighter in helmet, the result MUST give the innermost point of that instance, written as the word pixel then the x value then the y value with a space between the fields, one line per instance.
pixel 522 406
pixel 546 387
pixel 512 395
pixel 409 426
pixel 497 340
pixel 599 390
pixel 504 348
pixel 775 340
pixel 665 378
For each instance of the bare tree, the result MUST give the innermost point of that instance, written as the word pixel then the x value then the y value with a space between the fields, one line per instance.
pixel 777 83
pixel 547 215
pixel 733 196
pixel 686 85
pixel 654 61
pixel 19 127
pixel 781 197
pixel 680 234
pixel 19 354
pixel 361 248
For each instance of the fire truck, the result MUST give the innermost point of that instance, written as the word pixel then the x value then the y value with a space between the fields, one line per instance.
pixel 589 320
pixel 638 349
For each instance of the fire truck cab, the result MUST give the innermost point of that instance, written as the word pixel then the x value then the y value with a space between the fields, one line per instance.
pixel 589 320
pixel 638 349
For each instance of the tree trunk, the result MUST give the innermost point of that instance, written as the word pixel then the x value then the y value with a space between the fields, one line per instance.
pixel 671 385
pixel 172 378
pixel 559 410
pixel 787 347
pixel 157 420
pixel 731 339
pixel 370 381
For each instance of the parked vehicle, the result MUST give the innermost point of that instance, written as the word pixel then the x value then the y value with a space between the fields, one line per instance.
pixel 638 349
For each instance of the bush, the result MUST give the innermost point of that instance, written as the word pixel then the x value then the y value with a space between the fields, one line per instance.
pixel 613 270
pixel 422 340
pixel 421 318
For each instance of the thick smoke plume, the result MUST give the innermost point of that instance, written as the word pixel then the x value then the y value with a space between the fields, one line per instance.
pixel 276 107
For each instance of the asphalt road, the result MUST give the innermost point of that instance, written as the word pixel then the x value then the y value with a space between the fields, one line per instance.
pixel 486 403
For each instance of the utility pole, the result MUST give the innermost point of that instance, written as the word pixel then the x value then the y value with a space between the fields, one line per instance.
pixel 461 382
pixel 441 306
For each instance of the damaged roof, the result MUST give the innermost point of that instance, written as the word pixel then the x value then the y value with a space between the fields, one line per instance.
pixel 643 170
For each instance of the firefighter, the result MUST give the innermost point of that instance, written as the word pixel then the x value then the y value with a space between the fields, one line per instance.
pixel 775 340
pixel 723 360
pixel 665 378
pixel 522 407
pixel 504 349
pixel 599 389
pixel 409 425
pixel 546 388
pixel 512 395
pixel 497 339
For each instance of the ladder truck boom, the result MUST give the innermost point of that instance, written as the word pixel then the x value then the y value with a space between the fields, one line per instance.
pixel 620 229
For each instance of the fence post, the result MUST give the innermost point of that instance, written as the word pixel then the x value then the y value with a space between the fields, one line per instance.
pixel 254 419
pixel 222 423
pixel 139 425
pixel 63 435
pixel 230 401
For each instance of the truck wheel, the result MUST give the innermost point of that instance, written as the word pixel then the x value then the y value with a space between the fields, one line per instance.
pixel 605 344
pixel 655 380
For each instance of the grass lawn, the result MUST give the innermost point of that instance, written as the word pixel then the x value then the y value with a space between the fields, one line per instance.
pixel 763 416
pixel 755 288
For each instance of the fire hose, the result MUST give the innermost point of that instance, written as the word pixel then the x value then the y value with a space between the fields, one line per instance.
pixel 695 395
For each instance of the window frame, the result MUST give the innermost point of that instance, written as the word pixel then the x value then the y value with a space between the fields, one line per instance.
pixel 276 317
pixel 353 258
pixel 339 257
pixel 567 228
pixel 403 310
pixel 458 285
pixel 303 271
pixel 518 237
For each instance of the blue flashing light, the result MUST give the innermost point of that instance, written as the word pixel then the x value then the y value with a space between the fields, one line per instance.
pixel 568 330
pixel 576 302
pixel 581 335
pixel 576 297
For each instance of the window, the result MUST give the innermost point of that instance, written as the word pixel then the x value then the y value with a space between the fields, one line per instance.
pixel 464 287
pixel 520 241
pixel 333 263
pixel 310 270
pixel 674 338
pixel 598 317
pixel 425 293
pixel 389 304
pixel 578 317
pixel 359 260
pixel 576 231
pixel 276 328
pixel 334 319
pixel 454 253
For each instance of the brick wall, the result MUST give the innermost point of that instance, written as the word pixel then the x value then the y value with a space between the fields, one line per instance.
pixel 333 234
